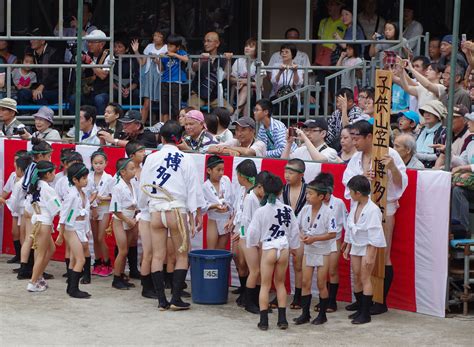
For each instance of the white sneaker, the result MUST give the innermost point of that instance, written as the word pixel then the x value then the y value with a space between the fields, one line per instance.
pixel 35 287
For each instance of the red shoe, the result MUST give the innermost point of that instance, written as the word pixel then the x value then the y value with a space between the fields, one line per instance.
pixel 98 270
pixel 106 271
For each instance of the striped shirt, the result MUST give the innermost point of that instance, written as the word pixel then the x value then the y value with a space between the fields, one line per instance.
pixel 27 177
pixel 274 137
pixel 301 198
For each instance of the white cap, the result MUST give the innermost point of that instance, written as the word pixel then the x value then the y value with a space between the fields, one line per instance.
pixel 97 35
pixel 469 116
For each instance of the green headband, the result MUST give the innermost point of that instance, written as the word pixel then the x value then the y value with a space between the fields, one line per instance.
pixel 320 188
pixel 294 169
pixel 214 163
pixel 33 152
pixel 34 175
pixel 138 149
pixel 121 167
pixel 99 153
pixel 82 169
pixel 251 179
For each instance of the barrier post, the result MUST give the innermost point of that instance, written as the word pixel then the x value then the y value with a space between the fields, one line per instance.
pixel 80 13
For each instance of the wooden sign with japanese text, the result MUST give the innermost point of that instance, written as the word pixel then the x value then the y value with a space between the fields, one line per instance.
pixel 380 146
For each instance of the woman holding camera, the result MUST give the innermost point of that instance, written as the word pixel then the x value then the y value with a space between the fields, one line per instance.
pixel 44 126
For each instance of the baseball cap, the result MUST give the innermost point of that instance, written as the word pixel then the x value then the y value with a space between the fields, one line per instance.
pixel 448 39
pixel 316 123
pixel 131 116
pixel 460 110
pixel 245 122
pixel 411 115
pixel 97 35
pixel 45 113
pixel 469 116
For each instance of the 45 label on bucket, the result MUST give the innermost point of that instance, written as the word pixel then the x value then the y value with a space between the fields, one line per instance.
pixel 211 274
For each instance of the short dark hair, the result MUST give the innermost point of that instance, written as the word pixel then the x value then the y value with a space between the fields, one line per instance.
pixel 23 162
pixel 370 91
pixel 291 29
pixel 355 48
pixel 435 38
pixel 39 145
pixel 171 131
pixel 76 170
pixel 298 163
pixel 262 177
pixel 363 127
pixel 212 122
pixel 424 61
pixel 21 153
pixel 266 105
pixel 123 39
pixel 437 67
pixel 117 108
pixel 291 47
pixel 223 115
pixel 273 184
pixel 213 161
pixel 325 179
pixel 90 112
pixel 74 157
pixel 397 29
pixel 121 164
pixel 247 168
pixel 359 183
pixel 176 40
pixel 348 92
pixel 132 147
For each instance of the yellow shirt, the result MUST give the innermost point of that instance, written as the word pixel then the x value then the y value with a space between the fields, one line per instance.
pixel 327 28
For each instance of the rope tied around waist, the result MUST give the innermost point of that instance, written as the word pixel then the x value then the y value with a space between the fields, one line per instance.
pixel 179 218
pixel 36 226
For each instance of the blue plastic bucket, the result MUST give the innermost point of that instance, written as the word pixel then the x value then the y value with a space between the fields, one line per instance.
pixel 210 275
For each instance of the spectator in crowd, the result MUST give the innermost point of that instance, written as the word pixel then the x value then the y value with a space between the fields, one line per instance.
pixel 286 79
pixel 365 100
pixel 405 145
pixel 432 133
pixel 240 75
pixel 223 117
pixel 461 95
pixel 206 87
pixel 434 49
pixel 133 129
pixel 446 49
pixel 24 77
pixel 8 112
pixel 5 53
pixel 113 112
pixel 71 31
pixel 328 28
pixel 95 89
pixel 390 32
pixel 271 132
pixel 471 89
pixel 400 98
pixel 2 79
pixel 182 115
pixel 45 92
pixel 347 17
pixel 461 135
pixel 408 122
pixel 348 58
pixel 411 28
pixel 313 146
pixel 347 145
pixel 212 123
pixel 369 19
pixel 173 75
pixel 347 112
pixel 244 144
pixel 130 73
pixel 463 195
pixel 425 87
pixel 150 70
pixel 300 58
pixel 44 126
pixel 87 127
pixel 197 137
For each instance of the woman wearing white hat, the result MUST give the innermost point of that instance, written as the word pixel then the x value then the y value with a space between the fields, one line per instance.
pixel 43 124
pixel 432 133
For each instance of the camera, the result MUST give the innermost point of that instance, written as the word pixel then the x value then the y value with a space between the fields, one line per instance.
pixel 123 135
pixel 19 131
pixel 292 132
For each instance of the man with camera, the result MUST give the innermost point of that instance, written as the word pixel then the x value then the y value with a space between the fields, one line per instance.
pixel 10 125
pixel 95 82
pixel 133 129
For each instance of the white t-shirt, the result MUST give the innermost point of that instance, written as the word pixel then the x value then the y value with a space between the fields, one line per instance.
pixel 63 187
pixel 16 201
pixel 150 49
pixel 250 205
pixel 73 207
pixel 48 203
pixel 239 69
pixel 272 222
pixel 424 95
pixel 323 223
pixel 258 146
pixel 223 197
pixel 303 153
pixel 301 59
pixel 225 136
pixel 103 188
pixel 286 78
pixel 8 187
pixel 368 230
pixel 339 210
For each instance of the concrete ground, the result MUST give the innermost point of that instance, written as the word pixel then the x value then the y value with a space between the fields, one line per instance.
pixel 113 317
